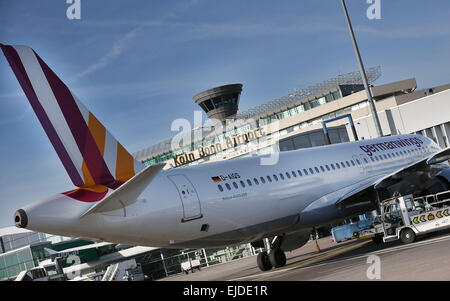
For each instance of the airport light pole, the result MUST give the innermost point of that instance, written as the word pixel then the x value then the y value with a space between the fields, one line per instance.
pixel 363 74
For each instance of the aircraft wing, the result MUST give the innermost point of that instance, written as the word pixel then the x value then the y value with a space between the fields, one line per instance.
pixel 128 192
pixel 415 167
pixel 367 191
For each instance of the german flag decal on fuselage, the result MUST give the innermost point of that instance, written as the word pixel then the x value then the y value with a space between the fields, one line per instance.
pixel 216 179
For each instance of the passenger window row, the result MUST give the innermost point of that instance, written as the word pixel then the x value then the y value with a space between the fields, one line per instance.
pixel 312 170
pixel 289 175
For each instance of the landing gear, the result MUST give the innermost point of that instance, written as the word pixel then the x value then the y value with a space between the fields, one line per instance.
pixel 275 256
pixel 263 261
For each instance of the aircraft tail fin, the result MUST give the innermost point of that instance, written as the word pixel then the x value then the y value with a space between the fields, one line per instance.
pixel 89 153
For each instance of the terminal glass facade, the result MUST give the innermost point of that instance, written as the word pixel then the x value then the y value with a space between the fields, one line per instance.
pixel 162 263
pixel 15 241
pixel 15 261
pixel 22 251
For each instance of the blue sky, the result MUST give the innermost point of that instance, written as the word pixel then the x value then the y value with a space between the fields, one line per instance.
pixel 137 64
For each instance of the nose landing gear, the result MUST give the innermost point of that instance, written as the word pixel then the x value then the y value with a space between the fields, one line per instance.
pixel 273 256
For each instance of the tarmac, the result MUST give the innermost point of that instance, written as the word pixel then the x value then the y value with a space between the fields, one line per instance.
pixel 354 260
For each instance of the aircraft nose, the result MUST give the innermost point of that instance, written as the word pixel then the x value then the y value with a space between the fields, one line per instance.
pixel 20 218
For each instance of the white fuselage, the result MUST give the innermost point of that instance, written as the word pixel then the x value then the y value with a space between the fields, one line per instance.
pixel 185 207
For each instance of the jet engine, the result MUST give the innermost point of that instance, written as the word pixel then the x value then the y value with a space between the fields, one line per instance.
pixel 295 240
pixel 440 182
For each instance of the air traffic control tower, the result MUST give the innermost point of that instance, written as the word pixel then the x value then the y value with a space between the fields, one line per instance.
pixel 220 103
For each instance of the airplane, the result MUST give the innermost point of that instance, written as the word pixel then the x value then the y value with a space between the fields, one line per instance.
pixel 119 199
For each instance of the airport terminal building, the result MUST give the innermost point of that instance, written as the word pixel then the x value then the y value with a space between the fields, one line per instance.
pixel 299 116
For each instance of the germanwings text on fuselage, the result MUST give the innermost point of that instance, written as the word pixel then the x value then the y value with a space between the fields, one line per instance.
pixel 369 149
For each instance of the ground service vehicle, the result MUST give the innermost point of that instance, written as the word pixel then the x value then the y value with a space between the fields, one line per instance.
pixel 406 217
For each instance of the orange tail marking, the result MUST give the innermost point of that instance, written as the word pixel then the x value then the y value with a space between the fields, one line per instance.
pixel 124 164
pixel 88 180
pixel 98 131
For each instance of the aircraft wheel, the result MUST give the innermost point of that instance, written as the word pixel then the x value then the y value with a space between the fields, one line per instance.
pixel 407 236
pixel 277 258
pixel 263 261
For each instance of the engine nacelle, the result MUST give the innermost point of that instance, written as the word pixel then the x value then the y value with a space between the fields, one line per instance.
pixel 296 240
pixel 441 182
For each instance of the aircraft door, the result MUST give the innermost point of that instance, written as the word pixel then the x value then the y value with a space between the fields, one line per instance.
pixel 188 196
